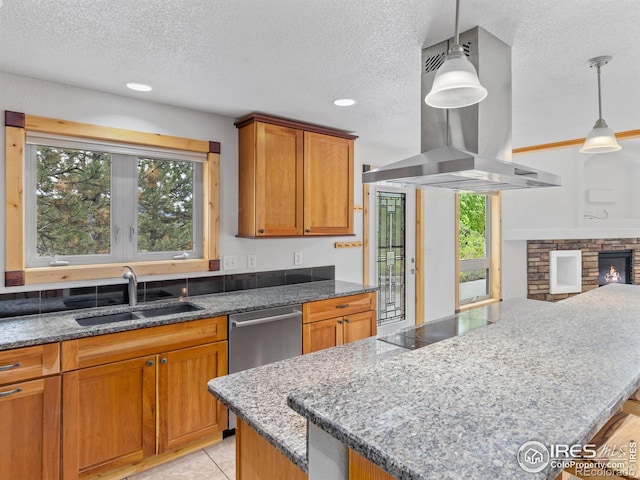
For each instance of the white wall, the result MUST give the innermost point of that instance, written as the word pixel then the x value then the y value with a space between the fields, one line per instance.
pixel 562 212
pixel 49 99
pixel 54 100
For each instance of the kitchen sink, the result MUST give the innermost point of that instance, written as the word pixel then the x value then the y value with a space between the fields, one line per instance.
pixel 161 311
pixel 108 318
pixel 169 310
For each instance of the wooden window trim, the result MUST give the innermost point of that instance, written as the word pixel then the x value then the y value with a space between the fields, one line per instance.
pixel 16 273
pixel 495 253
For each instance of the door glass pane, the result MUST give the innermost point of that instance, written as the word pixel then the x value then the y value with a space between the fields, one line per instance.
pixel 165 205
pixel 473 282
pixel 474 285
pixel 73 202
pixel 391 257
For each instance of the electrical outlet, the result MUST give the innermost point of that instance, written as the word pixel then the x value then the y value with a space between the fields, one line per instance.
pixel 252 261
pixel 230 262
pixel 297 258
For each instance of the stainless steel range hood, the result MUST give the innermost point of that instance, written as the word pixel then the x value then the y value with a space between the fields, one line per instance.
pixel 452 138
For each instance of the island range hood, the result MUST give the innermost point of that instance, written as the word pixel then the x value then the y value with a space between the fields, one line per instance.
pixel 451 139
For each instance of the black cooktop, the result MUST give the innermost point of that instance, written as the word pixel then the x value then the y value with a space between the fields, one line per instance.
pixel 429 333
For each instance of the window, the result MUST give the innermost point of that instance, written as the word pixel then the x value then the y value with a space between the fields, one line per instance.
pixel 102 203
pixel 84 199
pixel 478 239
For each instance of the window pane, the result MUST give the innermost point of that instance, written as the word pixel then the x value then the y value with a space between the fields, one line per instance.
pixel 474 285
pixel 472 224
pixel 165 205
pixel 73 193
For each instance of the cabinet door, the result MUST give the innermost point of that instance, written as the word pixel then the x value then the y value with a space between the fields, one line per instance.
pixel 279 175
pixel 328 185
pixel 359 326
pixel 30 419
pixel 323 334
pixel 186 409
pixel 108 416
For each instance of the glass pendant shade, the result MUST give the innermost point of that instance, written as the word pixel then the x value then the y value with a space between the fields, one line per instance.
pixel 600 140
pixel 456 84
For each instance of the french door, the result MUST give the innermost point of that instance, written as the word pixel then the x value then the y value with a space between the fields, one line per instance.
pixel 393 256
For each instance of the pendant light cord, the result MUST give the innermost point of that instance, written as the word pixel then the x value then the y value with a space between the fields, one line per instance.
pixel 599 95
pixel 457 30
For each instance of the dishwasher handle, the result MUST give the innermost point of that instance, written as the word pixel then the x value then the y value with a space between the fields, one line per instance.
pixel 258 321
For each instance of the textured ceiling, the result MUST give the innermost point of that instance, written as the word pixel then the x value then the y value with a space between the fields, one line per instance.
pixel 294 57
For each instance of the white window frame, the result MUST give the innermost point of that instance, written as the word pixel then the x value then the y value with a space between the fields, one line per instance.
pixel 124 211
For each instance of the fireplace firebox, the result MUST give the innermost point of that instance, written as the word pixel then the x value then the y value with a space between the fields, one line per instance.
pixel 614 266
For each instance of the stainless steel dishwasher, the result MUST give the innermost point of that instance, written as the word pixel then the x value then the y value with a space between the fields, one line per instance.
pixel 263 336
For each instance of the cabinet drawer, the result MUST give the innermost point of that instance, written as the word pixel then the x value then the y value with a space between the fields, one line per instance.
pixel 113 347
pixel 337 307
pixel 29 362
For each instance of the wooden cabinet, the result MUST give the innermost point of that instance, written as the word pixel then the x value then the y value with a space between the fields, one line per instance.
pixel 30 413
pixel 108 416
pixel 332 322
pixel 186 409
pixel 130 396
pixel 294 179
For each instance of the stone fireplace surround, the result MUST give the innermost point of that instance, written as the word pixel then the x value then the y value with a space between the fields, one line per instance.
pixel 538 263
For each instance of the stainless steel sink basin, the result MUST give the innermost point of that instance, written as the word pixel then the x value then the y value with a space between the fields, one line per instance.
pixel 108 318
pixel 160 311
pixel 169 310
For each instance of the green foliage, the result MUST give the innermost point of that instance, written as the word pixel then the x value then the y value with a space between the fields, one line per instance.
pixel 73 202
pixel 165 205
pixel 472 225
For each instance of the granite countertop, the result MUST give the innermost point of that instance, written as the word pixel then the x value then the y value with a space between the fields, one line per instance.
pixel 461 408
pixel 259 396
pixel 54 327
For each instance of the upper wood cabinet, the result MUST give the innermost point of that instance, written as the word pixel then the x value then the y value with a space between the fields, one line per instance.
pixel 294 179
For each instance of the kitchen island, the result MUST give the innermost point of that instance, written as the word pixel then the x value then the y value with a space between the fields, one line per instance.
pixel 462 408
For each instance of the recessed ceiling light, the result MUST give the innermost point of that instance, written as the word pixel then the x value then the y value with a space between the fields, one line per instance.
pixel 344 102
pixel 139 87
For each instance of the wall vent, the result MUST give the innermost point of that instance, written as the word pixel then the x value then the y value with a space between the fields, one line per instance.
pixel 433 63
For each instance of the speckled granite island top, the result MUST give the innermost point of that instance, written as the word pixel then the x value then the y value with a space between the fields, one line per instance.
pixel 259 396
pixel 460 409
pixel 54 327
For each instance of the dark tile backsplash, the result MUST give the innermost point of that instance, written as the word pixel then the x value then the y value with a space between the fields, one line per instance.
pixel 205 285
pixel 271 279
pixel 57 300
pixel 298 275
pixel 164 289
pixel 240 281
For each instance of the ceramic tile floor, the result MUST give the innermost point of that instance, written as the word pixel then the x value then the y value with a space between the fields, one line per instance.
pixel 216 462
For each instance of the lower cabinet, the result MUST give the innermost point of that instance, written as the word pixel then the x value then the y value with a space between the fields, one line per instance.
pixel 119 412
pixel 30 420
pixel 186 409
pixel 30 413
pixel 332 322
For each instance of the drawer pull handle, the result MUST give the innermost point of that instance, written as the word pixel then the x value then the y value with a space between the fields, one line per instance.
pixel 10 392
pixel 343 305
pixel 346 320
pixel 150 363
pixel 9 367
pixel 340 322
pixel 163 361
pixel 261 230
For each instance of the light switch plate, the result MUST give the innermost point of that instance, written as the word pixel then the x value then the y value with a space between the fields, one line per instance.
pixel 297 258
pixel 230 262
pixel 252 261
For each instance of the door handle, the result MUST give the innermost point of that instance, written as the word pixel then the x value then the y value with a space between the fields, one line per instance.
pixel 258 321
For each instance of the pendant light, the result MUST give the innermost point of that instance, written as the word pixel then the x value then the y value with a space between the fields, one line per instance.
pixel 456 82
pixel 601 139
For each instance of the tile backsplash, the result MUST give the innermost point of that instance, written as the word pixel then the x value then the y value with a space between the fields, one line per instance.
pixel 62 299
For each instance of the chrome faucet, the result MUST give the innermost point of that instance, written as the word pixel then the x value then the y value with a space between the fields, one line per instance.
pixel 130 275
